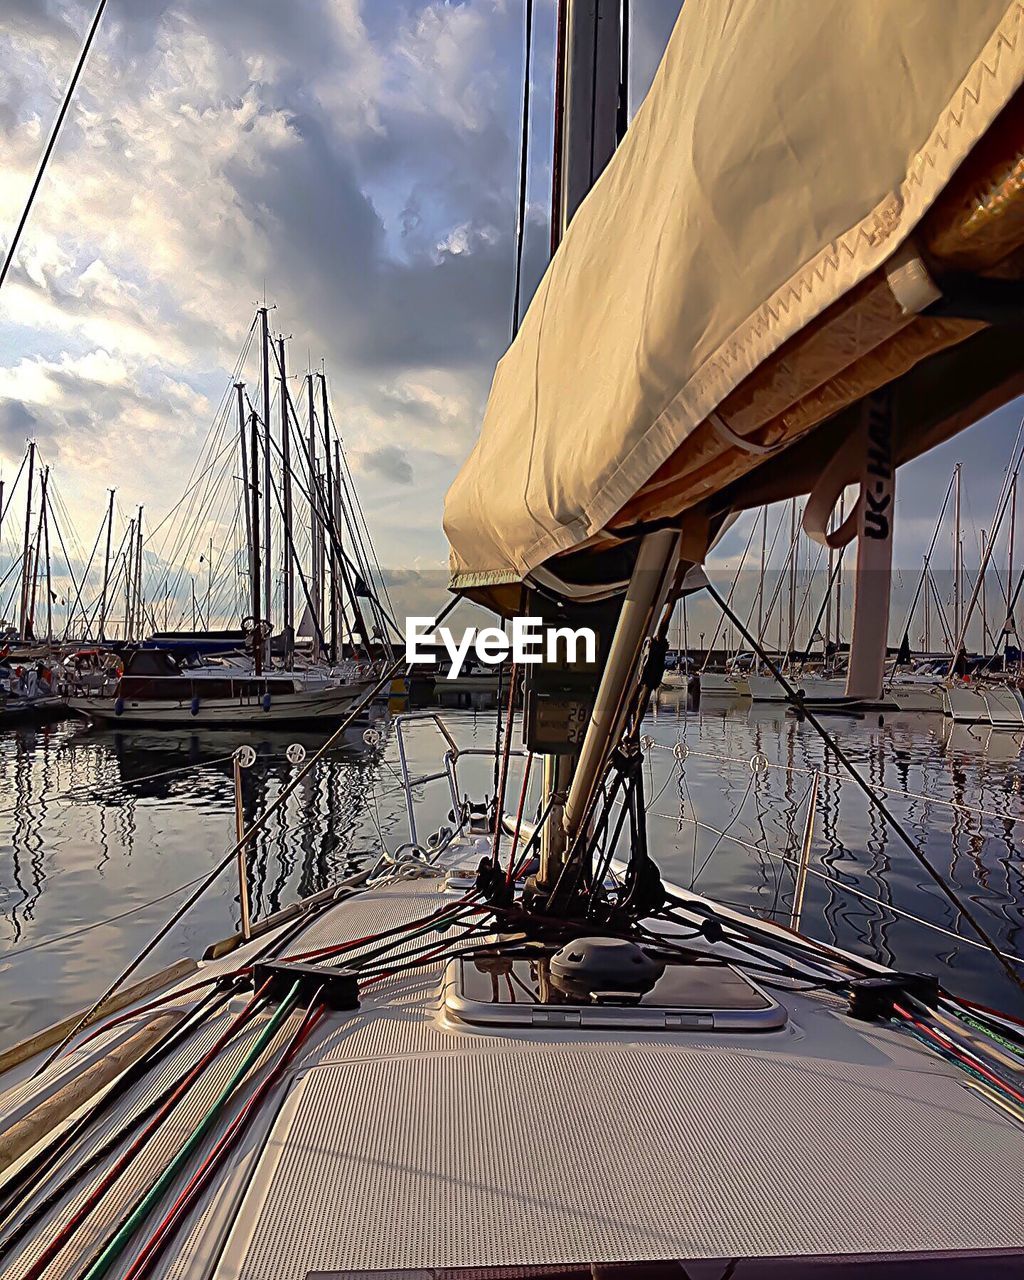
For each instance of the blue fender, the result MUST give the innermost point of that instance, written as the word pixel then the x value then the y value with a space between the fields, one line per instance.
pixel 266 702
pixel 195 706
pixel 118 706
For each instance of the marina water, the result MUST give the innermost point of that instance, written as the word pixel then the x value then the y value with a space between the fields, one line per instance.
pixel 100 831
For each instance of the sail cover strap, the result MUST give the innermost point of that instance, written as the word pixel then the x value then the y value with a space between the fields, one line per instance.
pixel 722 429
pixel 871 522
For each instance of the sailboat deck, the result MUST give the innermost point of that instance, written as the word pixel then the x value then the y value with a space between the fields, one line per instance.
pixel 401 1140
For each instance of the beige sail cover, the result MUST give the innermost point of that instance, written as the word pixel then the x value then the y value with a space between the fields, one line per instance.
pixel 785 152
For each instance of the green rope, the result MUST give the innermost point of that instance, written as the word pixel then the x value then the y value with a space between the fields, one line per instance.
pixel 987 1031
pixel 117 1245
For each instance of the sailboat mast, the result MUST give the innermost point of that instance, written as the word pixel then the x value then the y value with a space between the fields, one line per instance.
pixel 1008 625
pixel 794 551
pixel 337 568
pixel 957 582
pixel 983 573
pixel 140 622
pixel 314 518
pixel 46 554
pixel 760 580
pixel 106 569
pixel 267 475
pixel 26 580
pixel 331 481
pixel 244 455
pixel 37 556
pixel 288 580
pixel 257 641
pixel 127 563
pixel 588 95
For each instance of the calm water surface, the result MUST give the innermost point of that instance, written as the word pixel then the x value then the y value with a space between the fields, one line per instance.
pixel 97 824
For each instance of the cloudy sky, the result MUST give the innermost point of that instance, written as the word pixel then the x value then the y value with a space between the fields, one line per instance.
pixel 354 159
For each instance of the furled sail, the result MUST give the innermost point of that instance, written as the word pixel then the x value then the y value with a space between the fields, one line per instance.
pixel 787 227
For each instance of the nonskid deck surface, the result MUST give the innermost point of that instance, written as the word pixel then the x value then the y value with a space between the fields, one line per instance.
pixel 398 1140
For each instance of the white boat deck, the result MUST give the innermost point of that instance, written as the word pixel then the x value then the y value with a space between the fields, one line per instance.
pixel 400 1139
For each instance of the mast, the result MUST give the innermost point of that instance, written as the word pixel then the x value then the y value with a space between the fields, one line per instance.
pixel 137 616
pixel 332 474
pixel 25 556
pixel 588 88
pixel 983 573
pixel 958 590
pixel 45 515
pixel 128 564
pixel 927 613
pixel 794 551
pixel 314 580
pixel 244 453
pixel 288 582
pixel 588 130
pixel 257 641
pixel 760 581
pixel 36 556
pixel 337 569
pixel 267 571
pixel 1008 627
pixel 106 569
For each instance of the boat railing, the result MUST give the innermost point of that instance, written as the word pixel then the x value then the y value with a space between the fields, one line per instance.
pixel 449 770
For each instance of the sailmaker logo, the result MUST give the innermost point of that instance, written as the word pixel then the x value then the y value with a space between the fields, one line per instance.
pixel 530 640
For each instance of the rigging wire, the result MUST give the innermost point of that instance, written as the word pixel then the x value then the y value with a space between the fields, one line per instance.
pixel 524 164
pixel 873 798
pixel 52 141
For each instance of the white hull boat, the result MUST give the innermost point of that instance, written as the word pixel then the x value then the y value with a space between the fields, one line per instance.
pixel 815 692
pixel 260 703
pixel 718 684
pixel 917 695
pixel 965 704
pixel 154 691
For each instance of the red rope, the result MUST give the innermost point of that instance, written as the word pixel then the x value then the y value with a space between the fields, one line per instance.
pixel 155 1243
pixel 499 799
pixel 958 1051
pixel 519 818
pixel 83 1211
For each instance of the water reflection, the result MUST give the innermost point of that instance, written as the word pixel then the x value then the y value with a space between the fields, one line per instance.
pixel 97 824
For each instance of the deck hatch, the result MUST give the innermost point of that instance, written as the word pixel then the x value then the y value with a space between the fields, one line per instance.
pixel 522 992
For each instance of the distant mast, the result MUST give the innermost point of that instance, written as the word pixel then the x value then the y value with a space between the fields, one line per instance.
pixel 288 582
pixel 26 557
pixel 267 477
pixel 106 569
pixel 314 582
pixel 257 633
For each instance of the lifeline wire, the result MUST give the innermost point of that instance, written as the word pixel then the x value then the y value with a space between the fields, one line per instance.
pixel 872 797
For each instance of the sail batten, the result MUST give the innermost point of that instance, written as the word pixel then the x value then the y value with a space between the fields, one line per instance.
pixel 728 285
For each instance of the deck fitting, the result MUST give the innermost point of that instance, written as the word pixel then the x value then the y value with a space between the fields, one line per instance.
pixel 338 988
